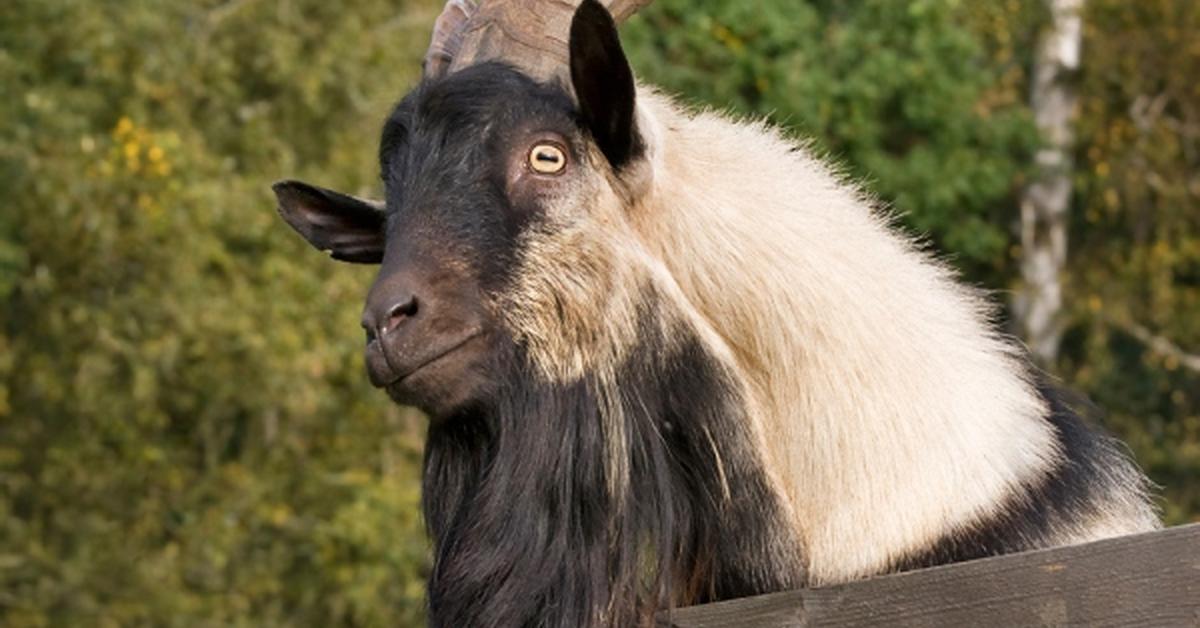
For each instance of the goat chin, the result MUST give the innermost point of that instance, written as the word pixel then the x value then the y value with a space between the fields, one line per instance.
pixel 900 427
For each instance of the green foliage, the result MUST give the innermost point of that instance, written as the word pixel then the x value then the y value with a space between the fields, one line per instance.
pixel 904 94
pixel 1135 267
pixel 186 434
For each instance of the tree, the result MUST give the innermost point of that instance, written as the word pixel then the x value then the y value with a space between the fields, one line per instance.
pixel 1133 277
pixel 1047 199
pixel 912 98
pixel 186 437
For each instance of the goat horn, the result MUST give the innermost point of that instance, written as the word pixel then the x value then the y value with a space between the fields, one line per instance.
pixel 447 35
pixel 624 9
pixel 529 34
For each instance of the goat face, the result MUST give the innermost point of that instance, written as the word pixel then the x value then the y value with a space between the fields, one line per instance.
pixel 502 194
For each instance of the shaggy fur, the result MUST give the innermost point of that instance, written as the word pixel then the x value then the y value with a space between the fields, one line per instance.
pixel 531 528
pixel 900 417
pixel 710 367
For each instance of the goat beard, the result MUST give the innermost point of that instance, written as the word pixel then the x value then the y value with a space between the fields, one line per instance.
pixel 533 525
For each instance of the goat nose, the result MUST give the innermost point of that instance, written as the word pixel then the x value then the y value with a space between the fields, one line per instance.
pixel 379 321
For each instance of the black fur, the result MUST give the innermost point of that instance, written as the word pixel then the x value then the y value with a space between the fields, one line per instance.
pixel 443 157
pixel 528 533
pixel 1067 494
pixel 516 489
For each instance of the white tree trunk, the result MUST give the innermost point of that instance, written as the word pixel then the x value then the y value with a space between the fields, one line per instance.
pixel 1046 202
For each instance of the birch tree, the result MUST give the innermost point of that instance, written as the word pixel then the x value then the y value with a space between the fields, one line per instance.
pixel 1046 202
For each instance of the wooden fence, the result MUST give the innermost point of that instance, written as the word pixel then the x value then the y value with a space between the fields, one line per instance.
pixel 1150 580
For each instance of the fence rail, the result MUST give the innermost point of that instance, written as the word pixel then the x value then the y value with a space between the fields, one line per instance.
pixel 1150 579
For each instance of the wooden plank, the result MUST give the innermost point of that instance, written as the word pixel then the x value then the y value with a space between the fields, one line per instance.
pixel 1150 579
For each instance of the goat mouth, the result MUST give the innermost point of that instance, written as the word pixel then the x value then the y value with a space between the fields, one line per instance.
pixel 449 349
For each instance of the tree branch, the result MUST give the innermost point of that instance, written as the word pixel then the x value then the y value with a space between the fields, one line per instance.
pixel 1160 344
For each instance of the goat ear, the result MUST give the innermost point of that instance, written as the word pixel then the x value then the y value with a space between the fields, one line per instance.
pixel 350 228
pixel 603 83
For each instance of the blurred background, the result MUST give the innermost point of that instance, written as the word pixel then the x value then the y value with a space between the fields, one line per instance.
pixel 187 436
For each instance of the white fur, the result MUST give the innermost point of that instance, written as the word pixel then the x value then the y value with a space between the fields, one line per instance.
pixel 891 409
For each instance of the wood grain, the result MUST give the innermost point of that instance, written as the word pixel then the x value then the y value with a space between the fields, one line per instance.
pixel 1150 579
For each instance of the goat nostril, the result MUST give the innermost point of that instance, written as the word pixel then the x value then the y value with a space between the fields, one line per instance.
pixel 399 312
pixel 368 327
pixel 408 308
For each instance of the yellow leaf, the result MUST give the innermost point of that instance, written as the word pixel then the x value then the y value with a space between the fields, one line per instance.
pixel 124 126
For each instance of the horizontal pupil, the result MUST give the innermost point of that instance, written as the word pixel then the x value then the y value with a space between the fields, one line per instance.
pixel 547 156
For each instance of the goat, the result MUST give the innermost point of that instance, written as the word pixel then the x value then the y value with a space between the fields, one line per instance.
pixel 670 358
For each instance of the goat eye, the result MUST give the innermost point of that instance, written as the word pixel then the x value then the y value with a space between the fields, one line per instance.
pixel 547 159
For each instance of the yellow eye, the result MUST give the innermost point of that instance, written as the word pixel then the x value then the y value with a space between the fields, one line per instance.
pixel 547 159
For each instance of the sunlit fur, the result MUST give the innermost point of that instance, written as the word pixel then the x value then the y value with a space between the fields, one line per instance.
pixel 892 410
pixel 900 427
pixel 714 370
pixel 612 468
pixel 893 426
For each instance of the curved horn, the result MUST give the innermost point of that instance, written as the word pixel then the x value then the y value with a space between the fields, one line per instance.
pixel 529 34
pixel 447 35
pixel 624 9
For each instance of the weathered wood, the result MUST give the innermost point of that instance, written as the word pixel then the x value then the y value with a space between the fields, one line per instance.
pixel 1150 579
